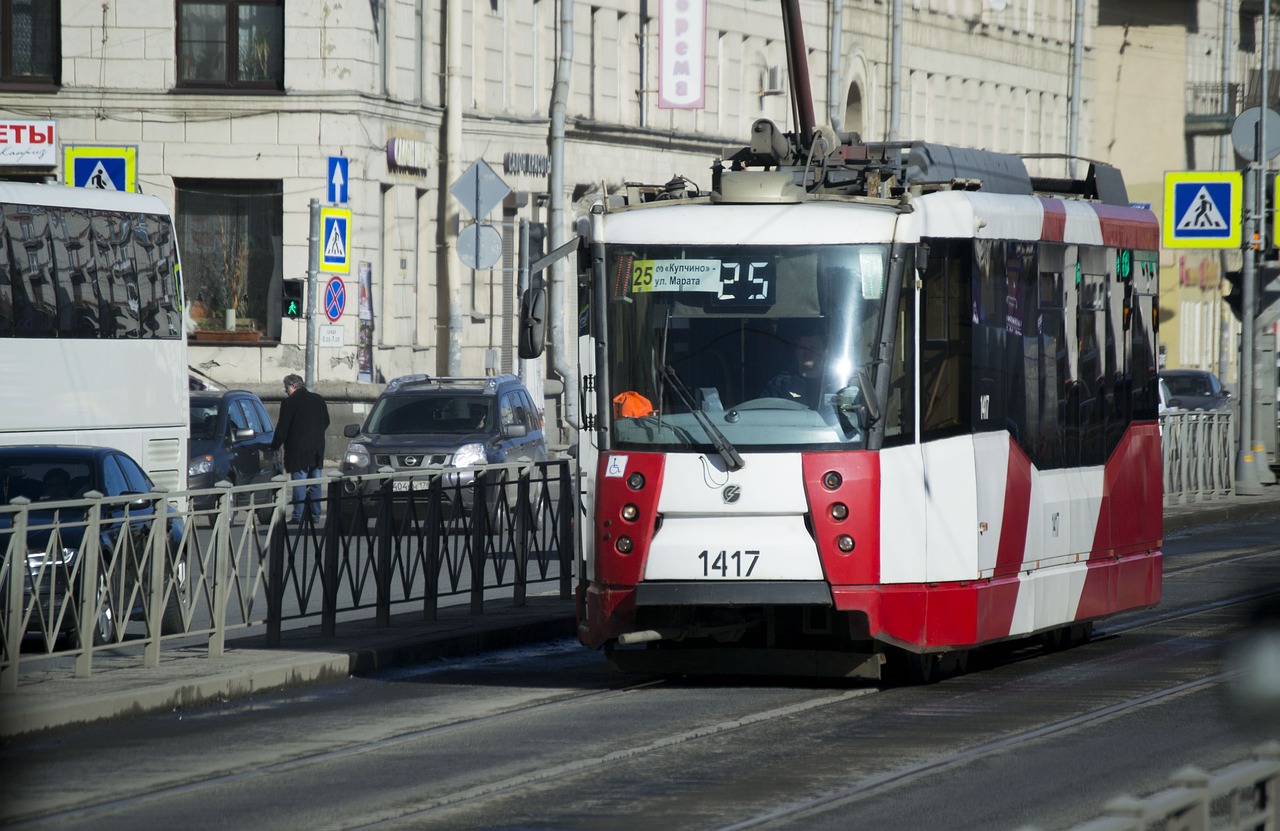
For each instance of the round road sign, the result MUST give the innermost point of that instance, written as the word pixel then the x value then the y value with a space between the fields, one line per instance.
pixel 335 299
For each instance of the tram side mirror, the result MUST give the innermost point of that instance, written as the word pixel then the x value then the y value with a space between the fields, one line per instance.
pixel 857 404
pixel 533 322
pixel 922 257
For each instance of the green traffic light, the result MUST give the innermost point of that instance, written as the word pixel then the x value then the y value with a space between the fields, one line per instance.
pixel 292 310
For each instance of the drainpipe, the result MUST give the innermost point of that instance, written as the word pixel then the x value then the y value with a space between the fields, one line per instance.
pixel 835 112
pixel 1077 59
pixel 895 71
pixel 563 289
pixel 449 267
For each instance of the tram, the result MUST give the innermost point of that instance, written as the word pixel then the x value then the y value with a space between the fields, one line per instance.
pixel 864 403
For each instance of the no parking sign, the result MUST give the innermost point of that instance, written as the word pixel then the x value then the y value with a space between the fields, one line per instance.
pixel 335 299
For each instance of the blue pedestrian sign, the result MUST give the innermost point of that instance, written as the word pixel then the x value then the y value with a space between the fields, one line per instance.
pixel 338 181
pixel 101 168
pixel 335 299
pixel 1202 209
pixel 335 235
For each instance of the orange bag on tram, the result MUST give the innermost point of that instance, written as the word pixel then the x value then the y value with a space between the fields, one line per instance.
pixel 631 405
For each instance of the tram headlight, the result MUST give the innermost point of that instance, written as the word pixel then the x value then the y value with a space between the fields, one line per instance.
pixel 624 545
pixel 630 512
pixel 845 543
pixel 839 511
pixel 831 480
pixel 635 481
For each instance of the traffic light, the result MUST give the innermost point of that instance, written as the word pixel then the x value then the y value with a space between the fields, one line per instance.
pixel 291 299
pixel 537 240
pixel 1266 291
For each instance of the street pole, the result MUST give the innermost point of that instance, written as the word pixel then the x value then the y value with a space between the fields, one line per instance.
pixel 1247 482
pixel 1251 455
pixel 313 288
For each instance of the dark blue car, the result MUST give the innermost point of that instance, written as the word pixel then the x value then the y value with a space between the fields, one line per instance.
pixel 56 478
pixel 230 431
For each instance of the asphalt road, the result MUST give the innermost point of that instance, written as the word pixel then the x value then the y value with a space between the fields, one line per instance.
pixel 549 737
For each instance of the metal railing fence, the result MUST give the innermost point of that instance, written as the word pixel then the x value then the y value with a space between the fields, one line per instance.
pixel 385 542
pixel 1198 451
pixel 1240 797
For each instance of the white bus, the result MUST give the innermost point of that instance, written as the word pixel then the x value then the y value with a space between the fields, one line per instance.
pixel 92 345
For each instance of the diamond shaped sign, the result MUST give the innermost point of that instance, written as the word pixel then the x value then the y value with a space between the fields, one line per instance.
pixel 479 189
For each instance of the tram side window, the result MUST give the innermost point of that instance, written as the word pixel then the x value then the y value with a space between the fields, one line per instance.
pixel 900 412
pixel 990 336
pixel 946 355
pixel 1052 361
pixel 1023 346
pixel 1141 319
pixel 1092 334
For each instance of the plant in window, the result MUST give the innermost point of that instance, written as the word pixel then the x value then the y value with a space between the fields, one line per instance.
pixel 259 58
pixel 235 267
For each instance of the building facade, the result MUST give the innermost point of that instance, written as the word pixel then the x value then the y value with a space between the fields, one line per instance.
pixel 234 109
pixel 1183 73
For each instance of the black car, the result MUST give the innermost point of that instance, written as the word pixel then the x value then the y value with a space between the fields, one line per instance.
pixel 420 423
pixel 1195 389
pixel 230 432
pixel 60 476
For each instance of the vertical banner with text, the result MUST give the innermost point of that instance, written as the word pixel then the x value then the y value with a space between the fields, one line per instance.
pixel 364 325
pixel 682 54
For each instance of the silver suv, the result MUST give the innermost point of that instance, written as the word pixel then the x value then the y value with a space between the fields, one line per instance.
pixel 422 423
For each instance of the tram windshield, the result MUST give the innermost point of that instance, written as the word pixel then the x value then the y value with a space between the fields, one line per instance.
pixel 767 346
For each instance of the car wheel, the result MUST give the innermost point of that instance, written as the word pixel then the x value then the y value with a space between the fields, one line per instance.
pixel 171 622
pixel 104 625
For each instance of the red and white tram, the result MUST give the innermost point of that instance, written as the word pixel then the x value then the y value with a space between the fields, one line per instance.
pixel 865 401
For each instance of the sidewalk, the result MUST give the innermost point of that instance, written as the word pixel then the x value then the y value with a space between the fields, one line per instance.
pixel 185 677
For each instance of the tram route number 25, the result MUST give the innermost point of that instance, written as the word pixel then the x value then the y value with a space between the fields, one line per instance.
pixel 728 564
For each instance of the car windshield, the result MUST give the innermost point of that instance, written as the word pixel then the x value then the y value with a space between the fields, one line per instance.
pixel 437 414
pixel 204 420
pixel 42 480
pixel 1188 385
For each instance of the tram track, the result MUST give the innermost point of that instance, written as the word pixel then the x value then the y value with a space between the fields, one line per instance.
pixel 437 805
pixel 839 798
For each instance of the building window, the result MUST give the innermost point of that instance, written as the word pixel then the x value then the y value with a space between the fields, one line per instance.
pixel 231 43
pixel 230 235
pixel 30 47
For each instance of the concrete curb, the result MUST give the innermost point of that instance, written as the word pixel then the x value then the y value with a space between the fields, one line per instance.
pixel 1181 517
pixel 206 680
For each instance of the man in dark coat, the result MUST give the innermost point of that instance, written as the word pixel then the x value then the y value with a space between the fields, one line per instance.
pixel 303 419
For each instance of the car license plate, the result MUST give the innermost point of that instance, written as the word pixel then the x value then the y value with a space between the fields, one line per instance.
pixel 404 484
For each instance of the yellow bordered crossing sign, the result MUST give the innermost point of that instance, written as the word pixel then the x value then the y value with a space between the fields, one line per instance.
pixel 335 240
pixel 103 168
pixel 1202 209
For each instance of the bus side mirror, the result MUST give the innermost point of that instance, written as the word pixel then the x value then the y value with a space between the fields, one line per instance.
pixel 533 322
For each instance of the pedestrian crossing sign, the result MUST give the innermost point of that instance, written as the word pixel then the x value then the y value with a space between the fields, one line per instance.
pixel 335 240
pixel 101 168
pixel 1202 209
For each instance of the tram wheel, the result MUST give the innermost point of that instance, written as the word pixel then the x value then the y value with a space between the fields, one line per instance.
pixel 912 668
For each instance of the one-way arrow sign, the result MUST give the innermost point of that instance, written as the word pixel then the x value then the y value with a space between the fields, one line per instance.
pixel 338 180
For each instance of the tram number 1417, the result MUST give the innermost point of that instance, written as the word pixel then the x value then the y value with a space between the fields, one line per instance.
pixel 728 564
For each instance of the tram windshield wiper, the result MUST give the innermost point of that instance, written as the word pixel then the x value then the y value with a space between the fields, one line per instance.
pixel 727 451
